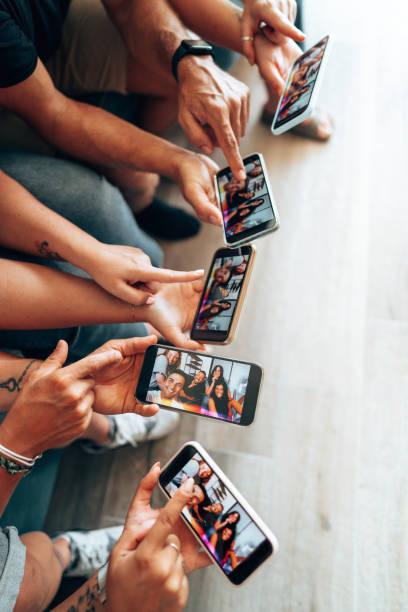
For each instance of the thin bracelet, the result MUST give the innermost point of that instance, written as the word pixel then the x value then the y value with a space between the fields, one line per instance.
pixel 27 461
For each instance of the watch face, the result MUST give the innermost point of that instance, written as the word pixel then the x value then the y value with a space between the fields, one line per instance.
pixel 199 45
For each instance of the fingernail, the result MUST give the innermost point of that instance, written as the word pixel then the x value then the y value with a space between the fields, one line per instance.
pixel 148 524
pixel 150 300
pixel 199 272
pixel 215 220
pixel 155 465
pixel 187 486
pixel 242 175
pixel 206 150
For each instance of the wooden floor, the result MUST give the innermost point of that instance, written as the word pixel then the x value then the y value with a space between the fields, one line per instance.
pixel 327 316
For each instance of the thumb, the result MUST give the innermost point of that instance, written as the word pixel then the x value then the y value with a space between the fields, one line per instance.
pixel 57 358
pixel 205 207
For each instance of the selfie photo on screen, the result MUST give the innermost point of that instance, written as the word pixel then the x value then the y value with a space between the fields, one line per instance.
pixel 300 83
pixel 221 293
pixel 245 204
pixel 200 384
pixel 222 524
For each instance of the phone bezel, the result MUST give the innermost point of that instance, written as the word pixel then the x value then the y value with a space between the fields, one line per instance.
pixel 260 230
pixel 267 548
pixel 251 396
pixel 224 337
pixel 305 112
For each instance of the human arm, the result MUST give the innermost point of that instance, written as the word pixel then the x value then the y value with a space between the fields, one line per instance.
pixel 208 19
pixel 207 96
pixel 211 406
pixel 58 300
pixel 53 408
pixel 29 226
pixel 98 137
pixel 233 403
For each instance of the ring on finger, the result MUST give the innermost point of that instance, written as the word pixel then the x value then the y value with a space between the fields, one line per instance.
pixel 243 38
pixel 173 545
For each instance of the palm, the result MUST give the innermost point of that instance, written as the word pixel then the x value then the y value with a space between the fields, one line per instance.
pixel 173 312
pixel 274 62
pixel 115 386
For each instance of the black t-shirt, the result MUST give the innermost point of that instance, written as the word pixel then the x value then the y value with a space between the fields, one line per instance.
pixel 196 392
pixel 28 29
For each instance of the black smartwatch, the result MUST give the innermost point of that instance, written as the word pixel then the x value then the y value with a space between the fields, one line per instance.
pixel 190 47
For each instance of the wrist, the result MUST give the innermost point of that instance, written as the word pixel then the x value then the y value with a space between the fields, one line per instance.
pixel 179 157
pixel 189 65
pixel 16 443
pixel 87 254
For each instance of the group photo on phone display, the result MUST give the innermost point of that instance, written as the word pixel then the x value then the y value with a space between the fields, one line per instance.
pixel 245 204
pixel 219 520
pixel 300 83
pixel 221 293
pixel 199 384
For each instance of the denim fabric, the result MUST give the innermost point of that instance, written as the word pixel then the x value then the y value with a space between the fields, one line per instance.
pixel 88 200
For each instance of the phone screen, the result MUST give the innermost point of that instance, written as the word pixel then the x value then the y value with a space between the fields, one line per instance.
pixel 246 205
pixel 300 83
pixel 224 527
pixel 199 383
pixel 221 294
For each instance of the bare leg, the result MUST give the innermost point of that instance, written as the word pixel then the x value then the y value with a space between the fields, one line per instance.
pixel 45 564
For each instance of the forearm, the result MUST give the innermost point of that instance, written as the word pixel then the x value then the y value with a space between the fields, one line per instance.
pixel 152 31
pixel 85 599
pixel 37 297
pixel 90 133
pixel 217 21
pixel 14 371
pixel 30 227
pixel 8 483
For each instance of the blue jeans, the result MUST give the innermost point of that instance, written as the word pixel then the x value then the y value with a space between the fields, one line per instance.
pixel 88 200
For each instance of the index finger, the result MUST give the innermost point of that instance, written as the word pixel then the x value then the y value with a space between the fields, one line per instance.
pixel 169 516
pixel 90 365
pixel 163 275
pixel 229 145
pixel 280 23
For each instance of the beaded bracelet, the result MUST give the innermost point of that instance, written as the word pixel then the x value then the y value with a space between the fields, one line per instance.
pixel 13 468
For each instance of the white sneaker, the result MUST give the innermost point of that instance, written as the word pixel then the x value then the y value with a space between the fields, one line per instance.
pixel 132 428
pixel 89 549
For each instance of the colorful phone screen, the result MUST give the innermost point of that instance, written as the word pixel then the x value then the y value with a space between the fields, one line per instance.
pixel 246 205
pixel 221 294
pixel 224 527
pixel 199 383
pixel 301 82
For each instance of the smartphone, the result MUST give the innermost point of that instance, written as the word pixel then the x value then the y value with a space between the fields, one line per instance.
pixel 199 383
pixel 248 208
pixel 223 295
pixel 225 525
pixel 299 95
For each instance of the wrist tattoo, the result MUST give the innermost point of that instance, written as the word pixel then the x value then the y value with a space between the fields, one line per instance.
pixel 87 601
pixel 45 251
pixel 12 384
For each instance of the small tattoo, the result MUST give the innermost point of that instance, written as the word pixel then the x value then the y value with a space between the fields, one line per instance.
pixel 12 384
pixel 45 251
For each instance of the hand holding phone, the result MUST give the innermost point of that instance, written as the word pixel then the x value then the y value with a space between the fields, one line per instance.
pixel 247 206
pixel 146 570
pixel 232 534
pixel 199 383
pixel 223 295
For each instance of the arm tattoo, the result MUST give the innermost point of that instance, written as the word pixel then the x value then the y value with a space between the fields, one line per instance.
pixel 45 251
pixel 12 384
pixel 87 601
